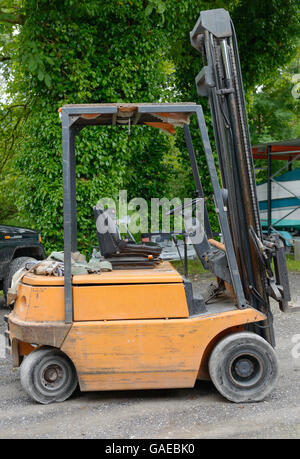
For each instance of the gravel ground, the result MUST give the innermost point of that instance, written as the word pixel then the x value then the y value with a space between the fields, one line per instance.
pixel 186 413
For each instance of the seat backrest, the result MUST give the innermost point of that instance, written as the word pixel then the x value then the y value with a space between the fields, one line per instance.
pixel 107 231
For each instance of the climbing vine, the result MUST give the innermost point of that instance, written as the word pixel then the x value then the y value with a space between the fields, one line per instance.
pixel 56 52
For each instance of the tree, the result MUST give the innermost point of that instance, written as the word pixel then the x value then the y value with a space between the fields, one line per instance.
pixel 65 51
pixel 267 34
pixel 275 113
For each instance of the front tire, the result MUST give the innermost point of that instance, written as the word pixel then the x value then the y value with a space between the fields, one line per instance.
pixel 48 375
pixel 243 367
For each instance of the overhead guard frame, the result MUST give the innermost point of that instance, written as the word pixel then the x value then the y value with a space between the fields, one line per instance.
pixel 69 132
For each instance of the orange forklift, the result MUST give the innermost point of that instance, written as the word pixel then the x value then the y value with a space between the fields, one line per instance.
pixel 140 326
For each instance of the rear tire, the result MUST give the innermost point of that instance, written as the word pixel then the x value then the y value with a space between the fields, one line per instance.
pixel 48 375
pixel 243 367
pixel 14 266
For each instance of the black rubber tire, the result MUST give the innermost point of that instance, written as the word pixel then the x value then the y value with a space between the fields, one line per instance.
pixel 14 266
pixel 243 367
pixel 38 365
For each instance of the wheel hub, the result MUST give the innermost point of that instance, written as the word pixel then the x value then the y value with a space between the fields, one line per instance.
pixel 52 375
pixel 244 368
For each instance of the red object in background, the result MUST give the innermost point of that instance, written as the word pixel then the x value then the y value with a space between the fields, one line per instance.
pixel 285 150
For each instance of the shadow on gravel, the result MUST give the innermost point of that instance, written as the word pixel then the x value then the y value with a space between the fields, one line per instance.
pixel 201 389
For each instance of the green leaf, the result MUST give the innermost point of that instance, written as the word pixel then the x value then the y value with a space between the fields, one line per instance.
pixel 48 80
pixel 41 75
pixel 32 63
pixel 161 7
pixel 148 9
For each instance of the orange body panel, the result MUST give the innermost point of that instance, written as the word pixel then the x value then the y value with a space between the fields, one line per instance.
pixel 40 303
pixel 127 301
pixel 145 354
pixel 162 273
pixel 50 281
pixel 119 294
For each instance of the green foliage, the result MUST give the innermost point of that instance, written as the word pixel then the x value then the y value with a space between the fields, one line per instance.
pixel 194 268
pixel 275 113
pixel 70 53
pixel 12 120
pixel 268 33
pixel 292 264
pixel 148 170
pixel 8 209
pixel 55 52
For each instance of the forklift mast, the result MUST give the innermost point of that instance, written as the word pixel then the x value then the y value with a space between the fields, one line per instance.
pixel 221 81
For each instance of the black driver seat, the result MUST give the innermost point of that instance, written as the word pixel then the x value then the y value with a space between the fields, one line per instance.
pixel 119 252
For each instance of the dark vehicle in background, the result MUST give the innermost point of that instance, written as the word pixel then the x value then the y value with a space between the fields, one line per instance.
pixel 17 246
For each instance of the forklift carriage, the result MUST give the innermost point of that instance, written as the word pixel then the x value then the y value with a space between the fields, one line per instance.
pixel 141 327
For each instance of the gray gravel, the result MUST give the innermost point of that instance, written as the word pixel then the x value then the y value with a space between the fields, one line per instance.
pixel 186 413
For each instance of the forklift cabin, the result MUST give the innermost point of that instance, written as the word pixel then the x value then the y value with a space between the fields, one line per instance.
pixel 141 327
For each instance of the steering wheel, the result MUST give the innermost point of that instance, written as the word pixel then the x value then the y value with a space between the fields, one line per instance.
pixel 177 210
